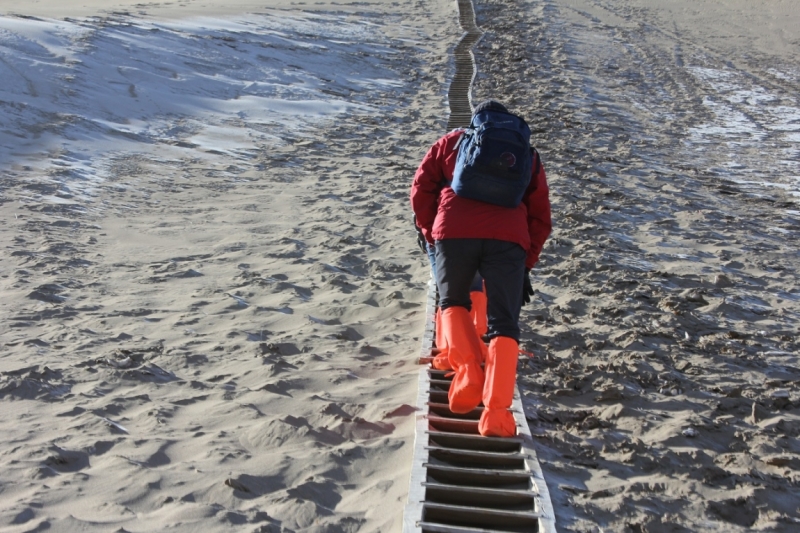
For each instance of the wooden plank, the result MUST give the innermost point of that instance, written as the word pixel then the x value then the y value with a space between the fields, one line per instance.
pixel 460 515
pixel 476 442
pixel 441 384
pixel 438 396
pixel 480 497
pixel 510 461
pixel 453 425
pixel 486 477
pixel 443 410
pixel 430 527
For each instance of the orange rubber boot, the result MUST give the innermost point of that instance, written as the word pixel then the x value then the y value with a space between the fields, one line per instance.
pixel 478 315
pixel 498 392
pixel 441 342
pixel 464 355
pixel 478 312
pixel 441 361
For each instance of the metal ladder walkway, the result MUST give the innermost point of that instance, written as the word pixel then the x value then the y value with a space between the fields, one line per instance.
pixel 461 85
pixel 462 482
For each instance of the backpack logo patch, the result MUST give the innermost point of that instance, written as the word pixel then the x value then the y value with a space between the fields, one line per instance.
pixel 508 159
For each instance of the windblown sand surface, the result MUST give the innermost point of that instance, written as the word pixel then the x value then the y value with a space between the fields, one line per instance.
pixel 212 300
pixel 211 297
pixel 665 384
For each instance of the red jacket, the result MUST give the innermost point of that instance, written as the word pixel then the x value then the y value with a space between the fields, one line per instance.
pixel 440 214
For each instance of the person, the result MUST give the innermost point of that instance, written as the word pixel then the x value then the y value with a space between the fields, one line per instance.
pixel 502 244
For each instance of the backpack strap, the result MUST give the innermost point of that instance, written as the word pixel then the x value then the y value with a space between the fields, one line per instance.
pixel 461 137
pixel 537 166
pixel 537 162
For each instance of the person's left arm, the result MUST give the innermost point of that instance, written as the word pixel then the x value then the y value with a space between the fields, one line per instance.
pixel 426 187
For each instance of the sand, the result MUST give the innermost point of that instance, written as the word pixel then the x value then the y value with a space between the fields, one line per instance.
pixel 211 300
pixel 664 387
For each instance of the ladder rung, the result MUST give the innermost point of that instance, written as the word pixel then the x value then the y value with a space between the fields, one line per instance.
pixel 443 410
pixel 461 515
pixel 475 442
pixel 453 424
pixel 482 497
pixel 454 475
pixel 511 461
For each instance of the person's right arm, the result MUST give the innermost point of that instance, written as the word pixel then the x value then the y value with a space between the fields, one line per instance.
pixel 537 201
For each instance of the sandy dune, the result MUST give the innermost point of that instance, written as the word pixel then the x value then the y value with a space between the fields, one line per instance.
pixel 665 382
pixel 211 301
pixel 211 297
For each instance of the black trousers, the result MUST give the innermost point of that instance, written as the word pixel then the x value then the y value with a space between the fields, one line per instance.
pixel 502 266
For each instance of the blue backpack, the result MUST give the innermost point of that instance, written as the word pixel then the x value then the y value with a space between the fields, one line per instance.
pixel 494 160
